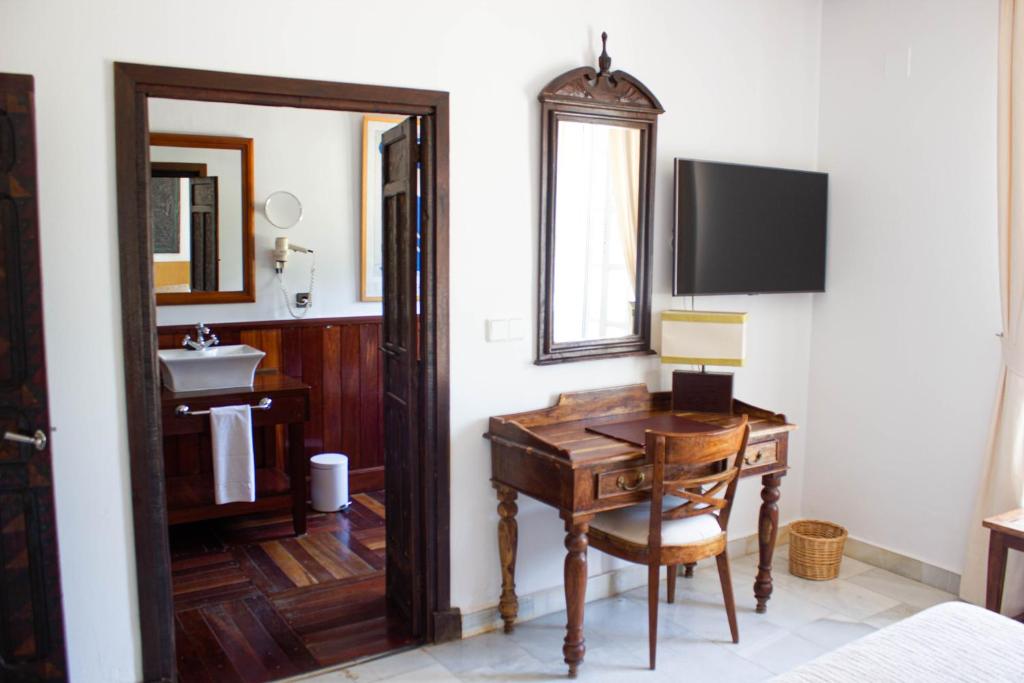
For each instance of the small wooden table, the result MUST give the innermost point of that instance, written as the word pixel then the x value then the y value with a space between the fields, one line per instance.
pixel 190 497
pixel 1006 531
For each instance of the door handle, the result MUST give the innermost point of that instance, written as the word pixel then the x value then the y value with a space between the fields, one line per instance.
pixel 38 439
pixel 390 352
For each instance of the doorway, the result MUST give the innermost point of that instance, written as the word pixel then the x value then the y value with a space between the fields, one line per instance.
pixel 417 542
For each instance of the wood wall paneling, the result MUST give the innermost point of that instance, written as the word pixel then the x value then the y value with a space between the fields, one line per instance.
pixel 339 358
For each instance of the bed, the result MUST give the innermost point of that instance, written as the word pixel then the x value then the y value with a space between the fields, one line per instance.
pixel 953 641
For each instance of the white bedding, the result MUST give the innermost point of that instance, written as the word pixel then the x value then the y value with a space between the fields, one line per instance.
pixel 953 641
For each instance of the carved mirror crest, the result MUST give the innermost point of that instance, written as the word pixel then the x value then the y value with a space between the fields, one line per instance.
pixel 598 140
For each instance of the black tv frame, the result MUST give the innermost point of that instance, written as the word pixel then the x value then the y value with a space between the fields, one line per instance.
pixel 675 229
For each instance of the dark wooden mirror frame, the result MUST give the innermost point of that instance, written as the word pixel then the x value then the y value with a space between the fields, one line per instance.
pixel 133 85
pixel 611 98
pixel 245 148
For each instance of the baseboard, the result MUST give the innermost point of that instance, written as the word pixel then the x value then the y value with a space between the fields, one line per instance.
pixel 550 600
pixel 747 545
pixel 366 479
pixel 905 566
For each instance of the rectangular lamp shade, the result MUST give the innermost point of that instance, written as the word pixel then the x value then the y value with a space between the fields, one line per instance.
pixel 703 337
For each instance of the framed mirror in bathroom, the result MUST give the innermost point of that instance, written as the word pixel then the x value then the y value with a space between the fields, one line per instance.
pixel 201 211
pixel 598 142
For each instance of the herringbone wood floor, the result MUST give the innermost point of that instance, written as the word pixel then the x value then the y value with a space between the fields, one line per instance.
pixel 255 603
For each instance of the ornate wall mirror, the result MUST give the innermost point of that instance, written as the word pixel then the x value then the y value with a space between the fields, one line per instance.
pixel 201 208
pixel 597 168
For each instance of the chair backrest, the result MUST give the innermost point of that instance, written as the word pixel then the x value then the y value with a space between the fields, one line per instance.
pixel 701 468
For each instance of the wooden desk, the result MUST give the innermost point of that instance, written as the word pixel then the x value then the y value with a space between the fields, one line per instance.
pixel 1005 531
pixel 190 497
pixel 547 454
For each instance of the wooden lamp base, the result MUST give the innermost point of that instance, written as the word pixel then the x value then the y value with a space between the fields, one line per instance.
pixel 704 392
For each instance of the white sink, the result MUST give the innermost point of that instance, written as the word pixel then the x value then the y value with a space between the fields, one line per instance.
pixel 219 367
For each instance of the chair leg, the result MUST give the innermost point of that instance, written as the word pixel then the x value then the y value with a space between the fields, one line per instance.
pixel 673 570
pixel 730 603
pixel 653 584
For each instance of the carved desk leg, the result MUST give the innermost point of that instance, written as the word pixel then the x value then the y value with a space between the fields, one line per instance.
pixel 508 540
pixel 767 531
pixel 576 543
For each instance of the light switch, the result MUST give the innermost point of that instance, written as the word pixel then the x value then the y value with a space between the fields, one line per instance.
pixel 497 330
pixel 516 328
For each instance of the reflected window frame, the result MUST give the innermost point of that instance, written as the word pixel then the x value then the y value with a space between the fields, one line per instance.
pixel 611 98
pixel 243 145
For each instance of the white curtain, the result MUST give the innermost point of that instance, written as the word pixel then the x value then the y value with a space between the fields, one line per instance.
pixel 1002 486
pixel 624 157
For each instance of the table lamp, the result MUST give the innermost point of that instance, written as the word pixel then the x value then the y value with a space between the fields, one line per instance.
pixel 702 338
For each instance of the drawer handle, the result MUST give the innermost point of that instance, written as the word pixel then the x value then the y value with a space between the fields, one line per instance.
pixel 621 482
pixel 756 459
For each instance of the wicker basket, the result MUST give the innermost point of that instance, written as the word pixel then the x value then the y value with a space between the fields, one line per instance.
pixel 815 549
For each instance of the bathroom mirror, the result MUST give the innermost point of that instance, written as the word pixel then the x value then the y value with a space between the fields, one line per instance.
pixel 598 151
pixel 201 208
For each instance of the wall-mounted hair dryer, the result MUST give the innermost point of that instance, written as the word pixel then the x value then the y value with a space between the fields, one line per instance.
pixel 281 249
pixel 303 300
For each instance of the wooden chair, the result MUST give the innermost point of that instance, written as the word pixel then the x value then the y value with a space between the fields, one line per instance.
pixel 692 489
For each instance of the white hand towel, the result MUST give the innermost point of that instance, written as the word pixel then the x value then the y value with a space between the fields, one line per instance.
pixel 234 465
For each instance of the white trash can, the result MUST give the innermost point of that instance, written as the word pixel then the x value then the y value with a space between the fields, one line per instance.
pixel 329 475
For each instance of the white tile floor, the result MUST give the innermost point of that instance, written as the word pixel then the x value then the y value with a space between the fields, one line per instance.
pixel 804 619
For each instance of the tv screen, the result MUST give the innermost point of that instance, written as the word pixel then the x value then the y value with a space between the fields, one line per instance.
pixel 748 229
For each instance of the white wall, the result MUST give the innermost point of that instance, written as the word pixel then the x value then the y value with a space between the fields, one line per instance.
pixel 739 81
pixel 904 352
pixel 317 156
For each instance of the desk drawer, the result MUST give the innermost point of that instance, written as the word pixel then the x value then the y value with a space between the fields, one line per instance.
pixel 760 454
pixel 624 481
pixel 627 480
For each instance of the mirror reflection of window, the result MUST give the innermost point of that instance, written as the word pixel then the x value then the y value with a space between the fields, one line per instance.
pixel 596 214
pixel 172 234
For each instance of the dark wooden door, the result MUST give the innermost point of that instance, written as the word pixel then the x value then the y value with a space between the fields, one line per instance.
pixel 31 624
pixel 402 460
pixel 205 257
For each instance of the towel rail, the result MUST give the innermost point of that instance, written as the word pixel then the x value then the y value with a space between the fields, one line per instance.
pixel 183 410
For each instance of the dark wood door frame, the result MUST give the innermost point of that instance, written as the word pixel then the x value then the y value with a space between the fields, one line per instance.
pixel 133 85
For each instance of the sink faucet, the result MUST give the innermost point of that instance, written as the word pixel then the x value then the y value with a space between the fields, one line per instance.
pixel 200 343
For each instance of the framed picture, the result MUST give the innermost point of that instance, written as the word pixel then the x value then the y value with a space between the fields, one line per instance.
pixel 371 286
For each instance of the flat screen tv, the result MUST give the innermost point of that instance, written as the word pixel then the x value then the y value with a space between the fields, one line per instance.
pixel 748 229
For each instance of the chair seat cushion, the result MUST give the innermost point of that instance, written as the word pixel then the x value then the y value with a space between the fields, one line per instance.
pixel 632 524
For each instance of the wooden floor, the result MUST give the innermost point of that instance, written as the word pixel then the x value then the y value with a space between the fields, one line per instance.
pixel 254 603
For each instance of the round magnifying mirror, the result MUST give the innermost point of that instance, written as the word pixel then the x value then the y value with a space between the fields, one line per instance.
pixel 283 209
